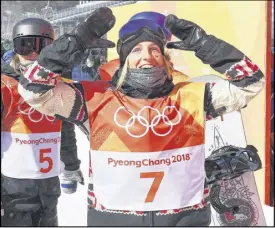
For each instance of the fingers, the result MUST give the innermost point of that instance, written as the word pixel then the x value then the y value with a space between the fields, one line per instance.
pixel 90 31
pixel 102 13
pixel 102 43
pixel 102 20
pixel 176 45
pixel 81 179
pixel 179 27
pixel 173 24
pixel 170 21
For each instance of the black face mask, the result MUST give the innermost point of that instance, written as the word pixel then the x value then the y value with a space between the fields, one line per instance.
pixel 145 83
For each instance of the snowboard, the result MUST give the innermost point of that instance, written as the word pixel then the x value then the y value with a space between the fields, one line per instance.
pixel 242 191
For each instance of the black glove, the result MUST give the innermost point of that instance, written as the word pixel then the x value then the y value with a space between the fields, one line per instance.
pixel 191 35
pixel 90 31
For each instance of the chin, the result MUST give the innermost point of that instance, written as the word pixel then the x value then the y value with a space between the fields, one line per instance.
pixel 27 61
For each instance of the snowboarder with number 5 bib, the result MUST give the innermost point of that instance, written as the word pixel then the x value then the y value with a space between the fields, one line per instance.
pixel 33 145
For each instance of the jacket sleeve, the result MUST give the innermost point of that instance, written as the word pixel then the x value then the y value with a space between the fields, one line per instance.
pixel 68 150
pixel 244 78
pixel 42 89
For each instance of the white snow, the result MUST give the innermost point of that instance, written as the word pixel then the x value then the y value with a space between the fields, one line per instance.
pixel 72 208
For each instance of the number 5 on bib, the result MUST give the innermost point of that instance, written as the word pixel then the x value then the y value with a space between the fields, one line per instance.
pixel 158 176
pixel 43 158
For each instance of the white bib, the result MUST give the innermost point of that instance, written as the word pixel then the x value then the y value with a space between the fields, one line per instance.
pixel 31 156
pixel 149 181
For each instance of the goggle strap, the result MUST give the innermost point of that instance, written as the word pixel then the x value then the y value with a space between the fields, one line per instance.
pixel 132 37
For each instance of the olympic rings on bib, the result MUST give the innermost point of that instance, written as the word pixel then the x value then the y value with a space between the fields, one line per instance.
pixel 30 110
pixel 144 122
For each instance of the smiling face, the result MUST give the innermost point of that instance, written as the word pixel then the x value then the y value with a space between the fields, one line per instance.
pixel 145 55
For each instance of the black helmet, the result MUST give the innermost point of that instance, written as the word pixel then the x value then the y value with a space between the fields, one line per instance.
pixel 33 27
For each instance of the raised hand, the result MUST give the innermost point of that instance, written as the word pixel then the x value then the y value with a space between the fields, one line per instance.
pixel 191 35
pixel 90 31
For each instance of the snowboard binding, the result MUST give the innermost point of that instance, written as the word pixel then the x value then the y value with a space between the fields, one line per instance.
pixel 228 163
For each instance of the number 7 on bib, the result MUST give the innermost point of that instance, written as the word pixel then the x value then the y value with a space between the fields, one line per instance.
pixel 158 176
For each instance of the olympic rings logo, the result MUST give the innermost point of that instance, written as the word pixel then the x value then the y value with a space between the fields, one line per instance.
pixel 144 122
pixel 30 110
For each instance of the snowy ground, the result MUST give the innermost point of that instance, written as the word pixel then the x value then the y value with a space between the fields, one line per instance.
pixel 72 209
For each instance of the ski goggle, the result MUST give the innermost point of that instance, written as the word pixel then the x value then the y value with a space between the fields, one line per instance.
pixel 157 18
pixel 133 29
pixel 27 45
pixel 133 26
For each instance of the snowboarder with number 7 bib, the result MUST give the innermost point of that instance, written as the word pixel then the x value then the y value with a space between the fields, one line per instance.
pixel 146 133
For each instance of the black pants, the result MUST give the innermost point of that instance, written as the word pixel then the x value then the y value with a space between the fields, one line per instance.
pixel 194 218
pixel 29 202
